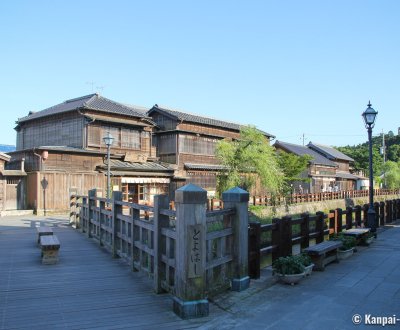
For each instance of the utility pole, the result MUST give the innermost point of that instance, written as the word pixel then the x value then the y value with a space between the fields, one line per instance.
pixel 383 152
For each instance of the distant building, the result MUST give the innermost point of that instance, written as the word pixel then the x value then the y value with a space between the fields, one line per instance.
pixel 320 172
pixel 344 179
pixel 328 170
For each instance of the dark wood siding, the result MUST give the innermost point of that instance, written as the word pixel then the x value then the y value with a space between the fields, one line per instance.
pixel 196 159
pixel 59 130
pixel 56 194
pixel 164 122
pixel 71 162
pixel 343 165
pixel 207 130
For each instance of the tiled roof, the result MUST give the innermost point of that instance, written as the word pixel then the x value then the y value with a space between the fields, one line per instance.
pixel 302 150
pixel 5 157
pixel 330 152
pixel 185 116
pixel 90 102
pixel 116 164
pixel 207 167
pixel 346 175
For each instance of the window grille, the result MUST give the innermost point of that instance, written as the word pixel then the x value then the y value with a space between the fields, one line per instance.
pixel 167 144
pixel 130 139
pixel 199 145
pixel 12 180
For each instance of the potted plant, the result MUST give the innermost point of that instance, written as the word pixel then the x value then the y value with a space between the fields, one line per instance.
pixel 289 269
pixel 305 259
pixel 368 238
pixel 347 248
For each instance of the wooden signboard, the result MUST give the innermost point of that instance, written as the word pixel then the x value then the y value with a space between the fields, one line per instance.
pixel 195 246
pixel 135 158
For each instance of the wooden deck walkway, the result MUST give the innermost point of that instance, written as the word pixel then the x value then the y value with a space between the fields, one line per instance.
pixel 87 289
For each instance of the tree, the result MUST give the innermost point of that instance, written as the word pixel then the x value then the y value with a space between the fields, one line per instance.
pixel 394 152
pixel 246 160
pixel 360 154
pixel 392 174
pixel 292 166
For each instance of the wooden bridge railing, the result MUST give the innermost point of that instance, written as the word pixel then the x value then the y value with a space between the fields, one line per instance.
pixel 190 252
pixel 214 203
pixel 286 236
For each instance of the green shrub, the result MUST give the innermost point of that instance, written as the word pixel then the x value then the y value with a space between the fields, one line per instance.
pixel 288 265
pixel 305 259
pixel 349 242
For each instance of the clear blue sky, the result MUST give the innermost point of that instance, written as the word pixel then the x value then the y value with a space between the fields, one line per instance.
pixel 289 67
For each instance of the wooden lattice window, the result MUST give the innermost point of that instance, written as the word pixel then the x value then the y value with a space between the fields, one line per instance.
pixel 167 144
pixel 115 132
pixel 130 139
pixel 94 135
pixel 199 145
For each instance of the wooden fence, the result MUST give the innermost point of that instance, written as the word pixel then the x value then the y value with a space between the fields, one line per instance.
pixel 286 236
pixel 214 203
pixel 190 252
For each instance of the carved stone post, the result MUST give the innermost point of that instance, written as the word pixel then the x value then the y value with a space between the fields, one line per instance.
pixel 190 269
pixel 238 199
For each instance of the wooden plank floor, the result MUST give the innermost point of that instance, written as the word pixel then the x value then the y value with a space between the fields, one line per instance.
pixel 87 289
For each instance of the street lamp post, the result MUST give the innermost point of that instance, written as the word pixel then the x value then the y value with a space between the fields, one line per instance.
pixel 369 116
pixel 108 141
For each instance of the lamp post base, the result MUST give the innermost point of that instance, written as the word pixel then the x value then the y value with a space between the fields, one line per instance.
pixel 371 221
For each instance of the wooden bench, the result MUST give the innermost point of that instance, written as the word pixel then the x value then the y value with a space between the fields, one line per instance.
pixel 323 253
pixel 50 246
pixel 360 234
pixel 43 231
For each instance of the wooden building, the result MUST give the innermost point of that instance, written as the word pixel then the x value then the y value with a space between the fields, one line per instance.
pixel 154 151
pixel 12 185
pixel 188 141
pixel 63 149
pixel 320 172
pixel 345 180
pixel 329 169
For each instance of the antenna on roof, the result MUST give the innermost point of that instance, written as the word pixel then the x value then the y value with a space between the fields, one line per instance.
pixel 92 83
pixel 303 138
pixel 100 88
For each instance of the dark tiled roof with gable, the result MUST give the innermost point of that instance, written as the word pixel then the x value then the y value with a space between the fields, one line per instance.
pixel 89 102
pixel 301 151
pixel 185 116
pixel 330 152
